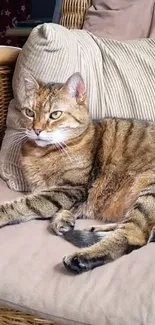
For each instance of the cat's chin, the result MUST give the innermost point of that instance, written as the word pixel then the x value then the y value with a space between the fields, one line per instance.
pixel 42 143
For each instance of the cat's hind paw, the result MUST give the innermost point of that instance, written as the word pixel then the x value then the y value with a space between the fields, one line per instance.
pixel 78 263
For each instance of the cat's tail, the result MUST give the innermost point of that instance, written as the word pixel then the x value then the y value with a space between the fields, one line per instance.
pixel 84 238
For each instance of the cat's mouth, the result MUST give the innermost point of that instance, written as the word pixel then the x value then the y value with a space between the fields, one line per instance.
pixel 43 140
pixel 49 138
pixel 40 139
pixel 58 137
pixel 42 143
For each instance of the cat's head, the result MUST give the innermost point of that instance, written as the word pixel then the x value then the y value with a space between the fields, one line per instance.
pixel 56 113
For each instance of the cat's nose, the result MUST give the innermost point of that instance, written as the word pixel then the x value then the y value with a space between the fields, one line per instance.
pixel 37 131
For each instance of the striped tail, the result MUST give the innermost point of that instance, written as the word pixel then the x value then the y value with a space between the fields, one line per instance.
pixel 84 238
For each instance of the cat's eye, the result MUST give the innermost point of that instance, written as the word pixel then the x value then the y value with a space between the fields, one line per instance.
pixel 29 112
pixel 55 115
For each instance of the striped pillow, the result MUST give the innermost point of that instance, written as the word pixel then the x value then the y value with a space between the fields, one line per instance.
pixel 119 76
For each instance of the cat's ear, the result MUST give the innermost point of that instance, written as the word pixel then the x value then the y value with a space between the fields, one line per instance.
pixel 29 81
pixel 75 87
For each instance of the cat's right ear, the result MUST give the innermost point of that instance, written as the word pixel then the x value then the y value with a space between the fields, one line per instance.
pixel 29 82
pixel 75 87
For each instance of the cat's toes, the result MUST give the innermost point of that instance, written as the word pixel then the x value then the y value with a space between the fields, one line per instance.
pixel 94 228
pixel 62 222
pixel 103 228
pixel 77 263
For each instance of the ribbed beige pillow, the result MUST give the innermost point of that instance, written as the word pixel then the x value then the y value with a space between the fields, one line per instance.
pixel 119 77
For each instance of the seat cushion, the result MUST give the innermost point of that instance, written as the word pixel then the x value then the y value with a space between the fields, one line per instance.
pixel 33 279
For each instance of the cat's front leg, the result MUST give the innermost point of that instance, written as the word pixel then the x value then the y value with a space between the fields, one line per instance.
pixel 42 205
pixel 16 211
pixel 62 222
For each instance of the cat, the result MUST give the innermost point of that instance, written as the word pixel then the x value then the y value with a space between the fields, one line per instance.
pixel 80 168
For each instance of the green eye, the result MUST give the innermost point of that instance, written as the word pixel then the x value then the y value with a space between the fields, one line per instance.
pixel 29 112
pixel 55 115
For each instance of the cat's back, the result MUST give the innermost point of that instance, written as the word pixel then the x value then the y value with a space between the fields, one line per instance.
pixel 124 164
pixel 126 138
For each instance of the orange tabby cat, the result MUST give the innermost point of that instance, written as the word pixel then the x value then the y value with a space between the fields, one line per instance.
pixel 77 167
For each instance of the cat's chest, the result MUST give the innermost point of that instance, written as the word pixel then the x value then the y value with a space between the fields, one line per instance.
pixel 51 170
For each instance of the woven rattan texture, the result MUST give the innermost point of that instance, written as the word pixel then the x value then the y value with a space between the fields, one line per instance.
pixel 11 317
pixel 5 95
pixel 73 13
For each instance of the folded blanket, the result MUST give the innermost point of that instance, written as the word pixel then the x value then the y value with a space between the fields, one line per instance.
pixel 119 77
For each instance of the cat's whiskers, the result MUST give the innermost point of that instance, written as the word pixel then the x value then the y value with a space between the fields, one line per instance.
pixel 64 144
pixel 74 158
pixel 18 138
pixel 31 135
pixel 64 150
pixel 58 135
pixel 58 147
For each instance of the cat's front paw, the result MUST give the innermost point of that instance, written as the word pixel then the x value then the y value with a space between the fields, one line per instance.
pixel 79 262
pixel 62 222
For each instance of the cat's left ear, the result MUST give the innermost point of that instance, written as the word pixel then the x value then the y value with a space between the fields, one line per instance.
pixel 29 81
pixel 76 88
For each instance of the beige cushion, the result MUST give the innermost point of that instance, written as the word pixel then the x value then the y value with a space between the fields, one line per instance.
pixel 33 279
pixel 121 19
pixel 119 76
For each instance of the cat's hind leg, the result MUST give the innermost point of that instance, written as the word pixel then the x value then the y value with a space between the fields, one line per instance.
pixel 114 245
pixel 133 232
pixel 105 227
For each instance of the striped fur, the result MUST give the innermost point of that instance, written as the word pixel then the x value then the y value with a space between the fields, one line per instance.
pixel 119 77
pixel 94 169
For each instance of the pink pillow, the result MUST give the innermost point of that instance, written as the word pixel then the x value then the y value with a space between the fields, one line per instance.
pixel 121 19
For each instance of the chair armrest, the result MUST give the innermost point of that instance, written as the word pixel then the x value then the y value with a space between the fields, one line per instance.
pixel 8 57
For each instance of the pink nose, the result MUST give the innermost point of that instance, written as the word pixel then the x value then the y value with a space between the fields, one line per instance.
pixel 37 131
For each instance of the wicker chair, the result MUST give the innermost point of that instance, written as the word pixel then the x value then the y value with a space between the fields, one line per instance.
pixel 73 12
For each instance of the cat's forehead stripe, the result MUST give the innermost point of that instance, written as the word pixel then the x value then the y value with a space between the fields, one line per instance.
pixel 46 96
pixel 42 97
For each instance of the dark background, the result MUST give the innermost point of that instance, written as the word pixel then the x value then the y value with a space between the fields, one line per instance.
pixel 41 8
pixel 14 11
